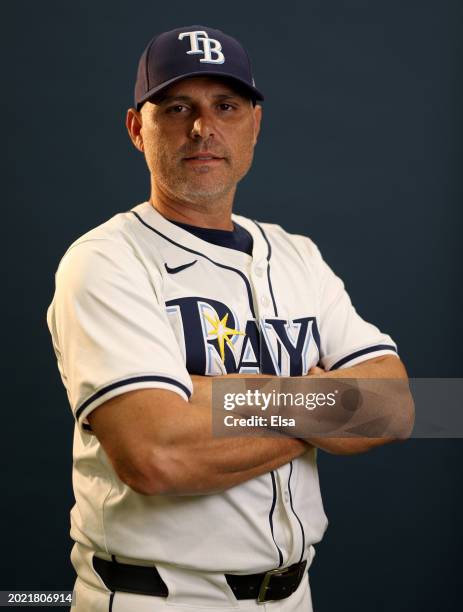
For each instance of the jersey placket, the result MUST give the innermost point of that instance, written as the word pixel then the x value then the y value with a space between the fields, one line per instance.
pixel 287 531
pixel 288 525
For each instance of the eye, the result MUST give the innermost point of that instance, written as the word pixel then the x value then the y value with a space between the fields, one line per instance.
pixel 225 106
pixel 176 109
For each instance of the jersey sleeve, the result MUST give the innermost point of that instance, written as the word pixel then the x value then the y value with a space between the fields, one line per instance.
pixel 345 338
pixel 109 328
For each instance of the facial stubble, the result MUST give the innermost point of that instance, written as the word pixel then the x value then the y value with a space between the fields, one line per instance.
pixel 201 184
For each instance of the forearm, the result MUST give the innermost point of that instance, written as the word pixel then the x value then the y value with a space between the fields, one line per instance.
pixel 381 368
pixel 197 462
pixel 214 465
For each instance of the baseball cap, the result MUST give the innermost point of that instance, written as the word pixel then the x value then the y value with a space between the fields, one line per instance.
pixel 191 51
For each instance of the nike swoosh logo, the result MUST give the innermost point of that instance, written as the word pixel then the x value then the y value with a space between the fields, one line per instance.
pixel 180 268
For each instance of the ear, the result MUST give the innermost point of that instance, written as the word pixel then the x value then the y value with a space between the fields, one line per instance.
pixel 133 123
pixel 257 120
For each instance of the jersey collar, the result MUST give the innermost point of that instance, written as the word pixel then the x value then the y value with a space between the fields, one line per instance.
pixel 224 255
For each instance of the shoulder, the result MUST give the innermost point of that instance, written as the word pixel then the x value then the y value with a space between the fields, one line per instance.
pixel 116 238
pixel 118 229
pixel 112 249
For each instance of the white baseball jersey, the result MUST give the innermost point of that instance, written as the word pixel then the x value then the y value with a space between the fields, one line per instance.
pixel 143 303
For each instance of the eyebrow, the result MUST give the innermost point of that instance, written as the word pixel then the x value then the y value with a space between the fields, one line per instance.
pixel 166 98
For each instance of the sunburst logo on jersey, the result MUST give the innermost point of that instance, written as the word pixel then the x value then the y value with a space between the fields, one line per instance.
pixel 222 332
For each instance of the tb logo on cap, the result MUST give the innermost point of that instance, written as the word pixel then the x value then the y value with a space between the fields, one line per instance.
pixel 210 46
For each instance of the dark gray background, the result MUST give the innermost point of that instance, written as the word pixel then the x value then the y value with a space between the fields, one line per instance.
pixel 361 149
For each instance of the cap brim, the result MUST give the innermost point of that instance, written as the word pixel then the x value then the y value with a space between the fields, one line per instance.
pixel 253 92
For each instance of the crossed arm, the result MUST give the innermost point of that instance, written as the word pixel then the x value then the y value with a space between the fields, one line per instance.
pixel 159 444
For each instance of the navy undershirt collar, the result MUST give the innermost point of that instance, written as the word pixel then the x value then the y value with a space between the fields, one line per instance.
pixel 239 238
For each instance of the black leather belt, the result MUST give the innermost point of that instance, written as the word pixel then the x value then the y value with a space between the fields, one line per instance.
pixel 269 586
pixel 272 585
pixel 130 578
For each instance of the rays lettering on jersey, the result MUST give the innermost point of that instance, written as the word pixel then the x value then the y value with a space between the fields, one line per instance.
pixel 214 341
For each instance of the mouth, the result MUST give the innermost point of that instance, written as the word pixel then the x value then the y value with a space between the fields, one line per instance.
pixel 203 158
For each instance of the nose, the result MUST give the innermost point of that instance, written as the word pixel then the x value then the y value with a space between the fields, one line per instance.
pixel 203 127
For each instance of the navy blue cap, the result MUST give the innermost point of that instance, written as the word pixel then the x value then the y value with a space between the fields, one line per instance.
pixel 191 51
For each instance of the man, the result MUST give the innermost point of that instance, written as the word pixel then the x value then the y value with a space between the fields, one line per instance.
pixel 153 304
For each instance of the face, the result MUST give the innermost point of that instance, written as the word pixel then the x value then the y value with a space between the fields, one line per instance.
pixel 198 139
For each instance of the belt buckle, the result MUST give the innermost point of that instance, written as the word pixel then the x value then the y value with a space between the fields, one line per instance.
pixel 264 587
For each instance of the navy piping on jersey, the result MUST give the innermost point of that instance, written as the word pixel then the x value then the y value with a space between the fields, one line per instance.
pixel 370 349
pixel 129 381
pixel 243 276
pixel 275 310
pixel 292 508
pixel 269 280
pixel 270 518
pixel 269 255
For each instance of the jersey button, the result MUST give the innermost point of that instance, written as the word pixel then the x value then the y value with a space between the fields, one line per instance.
pixel 259 271
pixel 265 301
pixel 286 496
